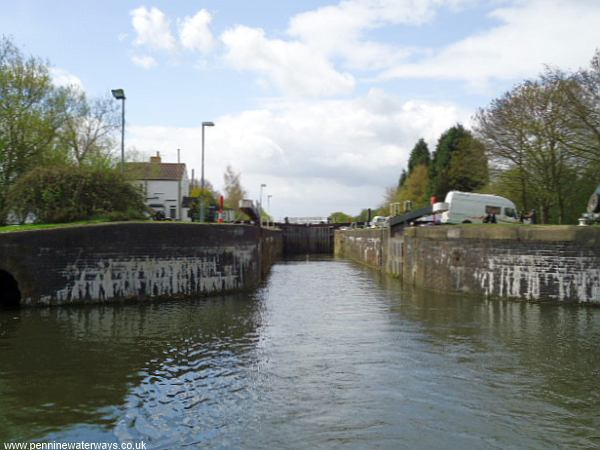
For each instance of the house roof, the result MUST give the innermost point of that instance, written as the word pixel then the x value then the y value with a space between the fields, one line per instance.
pixel 155 171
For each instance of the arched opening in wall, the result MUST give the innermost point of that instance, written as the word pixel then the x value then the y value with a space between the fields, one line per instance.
pixel 10 296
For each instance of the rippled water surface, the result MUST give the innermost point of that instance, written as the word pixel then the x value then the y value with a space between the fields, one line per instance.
pixel 326 355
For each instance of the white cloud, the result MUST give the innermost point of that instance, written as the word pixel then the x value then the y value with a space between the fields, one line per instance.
pixel 531 34
pixel 195 33
pixel 152 28
pixel 146 62
pixel 291 66
pixel 315 156
pixel 304 64
pixel 62 77
pixel 339 30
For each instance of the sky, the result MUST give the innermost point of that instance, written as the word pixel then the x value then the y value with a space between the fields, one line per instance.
pixel 322 101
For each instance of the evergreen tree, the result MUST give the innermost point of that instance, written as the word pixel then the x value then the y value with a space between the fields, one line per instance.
pixel 403 177
pixel 448 143
pixel 419 155
pixel 468 169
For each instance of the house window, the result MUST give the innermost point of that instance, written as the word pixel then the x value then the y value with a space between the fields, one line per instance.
pixel 173 212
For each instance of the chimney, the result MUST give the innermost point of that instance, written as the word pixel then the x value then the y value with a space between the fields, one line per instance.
pixel 155 159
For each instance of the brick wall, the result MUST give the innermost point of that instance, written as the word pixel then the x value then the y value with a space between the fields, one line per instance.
pixel 136 260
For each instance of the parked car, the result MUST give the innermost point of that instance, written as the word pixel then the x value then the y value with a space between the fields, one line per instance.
pixel 379 221
pixel 469 207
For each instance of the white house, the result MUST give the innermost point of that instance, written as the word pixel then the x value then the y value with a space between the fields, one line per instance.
pixel 164 185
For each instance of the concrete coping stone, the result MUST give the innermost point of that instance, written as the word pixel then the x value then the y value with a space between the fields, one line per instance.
pixel 589 236
pixel 129 223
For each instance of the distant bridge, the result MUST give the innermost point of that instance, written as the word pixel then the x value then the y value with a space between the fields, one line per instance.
pixel 306 220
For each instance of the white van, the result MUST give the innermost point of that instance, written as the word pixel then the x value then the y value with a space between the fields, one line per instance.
pixel 468 207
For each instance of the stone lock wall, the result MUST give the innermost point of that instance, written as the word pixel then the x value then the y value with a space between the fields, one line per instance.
pixel 136 260
pixel 362 245
pixel 374 247
pixel 536 263
pixel 529 263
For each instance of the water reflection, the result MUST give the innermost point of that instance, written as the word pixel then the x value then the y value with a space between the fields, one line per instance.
pixel 328 354
pixel 65 366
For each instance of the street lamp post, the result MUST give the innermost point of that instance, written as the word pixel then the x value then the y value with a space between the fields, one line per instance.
pixel 204 124
pixel 269 208
pixel 119 94
pixel 260 204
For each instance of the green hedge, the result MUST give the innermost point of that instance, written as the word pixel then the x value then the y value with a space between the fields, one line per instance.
pixel 67 194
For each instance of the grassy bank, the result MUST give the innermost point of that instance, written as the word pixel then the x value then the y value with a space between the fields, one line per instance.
pixel 44 226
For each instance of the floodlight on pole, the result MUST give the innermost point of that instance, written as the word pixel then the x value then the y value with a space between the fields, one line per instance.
pixel 204 124
pixel 119 94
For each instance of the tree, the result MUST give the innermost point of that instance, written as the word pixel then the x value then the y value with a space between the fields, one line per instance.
pixel 504 132
pixel 416 187
pixel 468 168
pixel 234 192
pixel 528 133
pixel 207 197
pixel 448 144
pixel 209 194
pixel 402 179
pixel 581 91
pixel 363 216
pixel 65 194
pixel 340 217
pixel 32 111
pixel 419 155
pixel 87 132
pixel 459 163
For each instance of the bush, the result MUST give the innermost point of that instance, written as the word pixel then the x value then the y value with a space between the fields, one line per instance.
pixel 67 194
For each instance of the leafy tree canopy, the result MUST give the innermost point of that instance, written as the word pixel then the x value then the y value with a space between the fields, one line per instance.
pixel 416 188
pixel 234 192
pixel 530 136
pixel 66 194
pixel 32 111
pixel 42 125
pixel 340 217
